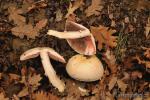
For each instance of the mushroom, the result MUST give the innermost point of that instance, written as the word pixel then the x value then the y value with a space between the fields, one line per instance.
pixel 78 37
pixel 84 68
pixel 45 53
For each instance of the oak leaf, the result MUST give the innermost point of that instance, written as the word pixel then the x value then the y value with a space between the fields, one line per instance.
pixel 33 81
pixel 14 15
pixel 104 35
pixel 28 29
pixel 73 7
pixel 110 59
pixel 2 97
pixel 94 8
pixel 147 28
pixel 147 52
pixel 112 82
pixel 121 85
pixel 146 63
pixel 44 96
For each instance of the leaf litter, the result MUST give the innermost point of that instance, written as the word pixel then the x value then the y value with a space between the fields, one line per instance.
pixel 28 18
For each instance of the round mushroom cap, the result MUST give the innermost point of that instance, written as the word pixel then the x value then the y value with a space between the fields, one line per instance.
pixel 84 68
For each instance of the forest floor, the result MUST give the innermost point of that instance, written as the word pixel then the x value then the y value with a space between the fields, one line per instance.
pixel 121 29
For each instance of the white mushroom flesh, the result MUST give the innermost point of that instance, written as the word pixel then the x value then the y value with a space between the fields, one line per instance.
pixel 78 37
pixel 45 53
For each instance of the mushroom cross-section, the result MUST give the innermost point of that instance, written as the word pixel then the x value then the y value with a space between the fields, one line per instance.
pixel 78 37
pixel 45 53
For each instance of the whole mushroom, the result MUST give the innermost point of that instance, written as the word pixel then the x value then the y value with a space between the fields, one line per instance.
pixel 45 53
pixel 78 37
pixel 84 68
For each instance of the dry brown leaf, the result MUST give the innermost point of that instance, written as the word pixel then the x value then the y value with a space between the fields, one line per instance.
pixel 59 15
pixel 28 30
pixel 110 59
pixel 14 76
pixel 2 97
pixel 126 20
pixel 138 98
pixel 23 92
pixel 38 4
pixel 24 30
pixel 73 7
pixel 33 81
pixel 140 4
pixel 147 28
pixel 0 75
pixel 44 96
pixel 42 23
pixel 147 63
pixel 109 96
pixel 94 8
pixel 147 52
pixel 104 36
pixel 112 82
pixel 128 62
pixel 122 85
pixel 72 17
pixel 136 74
pixel 14 14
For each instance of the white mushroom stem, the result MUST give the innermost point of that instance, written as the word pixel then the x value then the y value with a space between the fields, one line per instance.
pixel 69 34
pixel 45 53
pixel 50 72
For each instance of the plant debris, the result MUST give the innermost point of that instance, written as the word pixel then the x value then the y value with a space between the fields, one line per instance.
pixel 121 31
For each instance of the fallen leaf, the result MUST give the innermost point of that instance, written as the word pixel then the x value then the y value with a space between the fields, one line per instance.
pixel 23 92
pixel 147 52
pixel 110 59
pixel 42 23
pixel 136 74
pixel 2 97
pixel 24 30
pixel 94 8
pixel 71 17
pixel 28 30
pixel 140 4
pixel 126 20
pixel 44 96
pixel 0 75
pixel 147 63
pixel 14 76
pixel 138 98
pixel 73 7
pixel 122 85
pixel 104 35
pixel 128 62
pixel 14 14
pixel 38 4
pixel 131 28
pixel 113 23
pixel 147 28
pixel 33 81
pixel 109 96
pixel 59 15
pixel 112 82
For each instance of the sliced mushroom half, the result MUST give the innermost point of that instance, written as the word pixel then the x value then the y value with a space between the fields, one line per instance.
pixel 78 37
